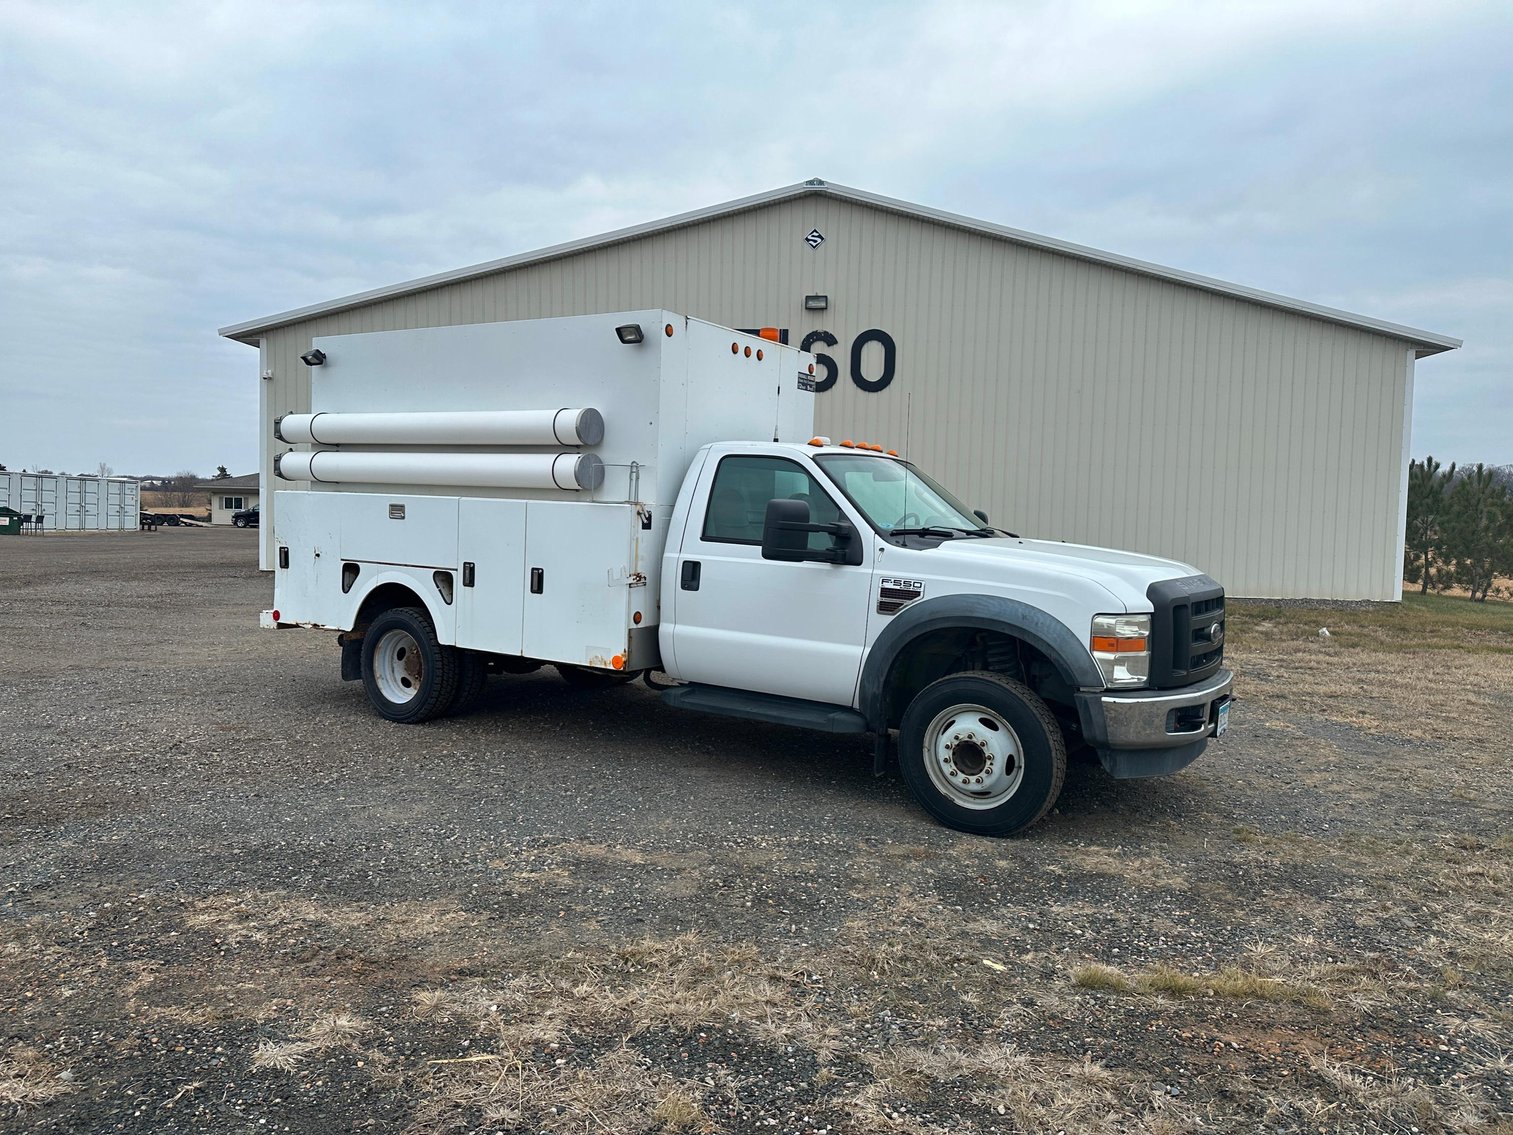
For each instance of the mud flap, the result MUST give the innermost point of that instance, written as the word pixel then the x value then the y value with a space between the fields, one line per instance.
pixel 351 660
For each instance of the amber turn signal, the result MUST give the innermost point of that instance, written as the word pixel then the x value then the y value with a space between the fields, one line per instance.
pixel 1108 644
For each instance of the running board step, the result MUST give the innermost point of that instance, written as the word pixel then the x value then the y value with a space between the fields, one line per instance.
pixel 766 707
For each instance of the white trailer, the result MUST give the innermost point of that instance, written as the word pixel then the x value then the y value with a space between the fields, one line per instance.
pixel 641 492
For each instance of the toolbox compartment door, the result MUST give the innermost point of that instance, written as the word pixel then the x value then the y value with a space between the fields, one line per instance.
pixel 491 583
pixel 580 575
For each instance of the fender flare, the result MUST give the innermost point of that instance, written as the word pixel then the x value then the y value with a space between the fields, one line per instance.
pixel 978 612
pixel 445 630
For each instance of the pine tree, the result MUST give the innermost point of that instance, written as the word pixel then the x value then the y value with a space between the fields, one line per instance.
pixel 1478 529
pixel 1423 558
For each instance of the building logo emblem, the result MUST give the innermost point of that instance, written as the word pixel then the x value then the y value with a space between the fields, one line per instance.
pixel 815 238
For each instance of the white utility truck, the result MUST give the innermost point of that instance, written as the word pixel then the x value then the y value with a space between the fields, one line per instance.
pixel 642 493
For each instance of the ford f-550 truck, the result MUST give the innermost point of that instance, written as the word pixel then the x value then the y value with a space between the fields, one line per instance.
pixel 642 493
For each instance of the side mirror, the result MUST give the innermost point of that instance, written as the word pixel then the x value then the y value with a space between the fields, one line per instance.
pixel 982 516
pixel 785 531
pixel 785 536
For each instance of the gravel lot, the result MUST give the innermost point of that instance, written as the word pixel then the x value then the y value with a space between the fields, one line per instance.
pixel 234 899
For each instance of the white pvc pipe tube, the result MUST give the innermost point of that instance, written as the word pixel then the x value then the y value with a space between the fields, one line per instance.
pixel 571 426
pixel 570 471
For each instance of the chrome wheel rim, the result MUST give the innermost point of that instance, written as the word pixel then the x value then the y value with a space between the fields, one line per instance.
pixel 973 756
pixel 398 666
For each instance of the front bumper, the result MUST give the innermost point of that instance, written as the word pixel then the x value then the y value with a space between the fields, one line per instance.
pixel 1153 732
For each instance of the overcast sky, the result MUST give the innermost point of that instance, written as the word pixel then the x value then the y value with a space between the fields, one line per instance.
pixel 167 169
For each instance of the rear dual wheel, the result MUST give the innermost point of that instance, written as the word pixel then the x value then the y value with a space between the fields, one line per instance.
pixel 409 675
pixel 982 753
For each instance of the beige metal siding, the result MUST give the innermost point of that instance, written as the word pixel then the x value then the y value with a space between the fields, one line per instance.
pixel 1070 399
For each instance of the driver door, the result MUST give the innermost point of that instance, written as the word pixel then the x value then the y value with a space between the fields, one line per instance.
pixel 794 629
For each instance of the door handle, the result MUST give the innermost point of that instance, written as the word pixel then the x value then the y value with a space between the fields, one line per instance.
pixel 690 579
pixel 538 581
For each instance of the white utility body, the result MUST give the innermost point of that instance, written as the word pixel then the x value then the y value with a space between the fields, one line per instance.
pixel 642 493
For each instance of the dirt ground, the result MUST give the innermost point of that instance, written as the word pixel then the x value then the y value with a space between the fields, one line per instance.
pixel 232 899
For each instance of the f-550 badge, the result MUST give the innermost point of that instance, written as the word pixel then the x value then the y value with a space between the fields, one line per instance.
pixel 893 595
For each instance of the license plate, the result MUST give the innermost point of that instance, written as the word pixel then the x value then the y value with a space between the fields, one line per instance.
pixel 1221 720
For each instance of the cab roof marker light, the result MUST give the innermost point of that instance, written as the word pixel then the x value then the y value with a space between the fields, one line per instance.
pixel 819 441
pixel 892 453
pixel 848 444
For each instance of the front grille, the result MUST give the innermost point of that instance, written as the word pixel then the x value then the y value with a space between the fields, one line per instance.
pixel 1187 630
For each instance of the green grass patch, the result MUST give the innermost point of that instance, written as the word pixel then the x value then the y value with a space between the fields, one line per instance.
pixel 1231 983
pixel 1102 977
pixel 1419 622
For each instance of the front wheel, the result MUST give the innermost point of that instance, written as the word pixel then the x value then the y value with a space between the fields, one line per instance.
pixel 410 676
pixel 239 522
pixel 982 753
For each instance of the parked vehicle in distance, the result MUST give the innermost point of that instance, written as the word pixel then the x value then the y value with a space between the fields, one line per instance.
pixel 247 517
pixel 642 493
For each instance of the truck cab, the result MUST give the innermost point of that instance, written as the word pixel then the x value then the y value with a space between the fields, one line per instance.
pixel 799 579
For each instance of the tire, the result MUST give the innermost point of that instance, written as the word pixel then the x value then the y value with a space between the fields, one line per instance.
pixel 239 522
pixel 472 677
pixel 410 676
pixel 585 678
pixel 981 753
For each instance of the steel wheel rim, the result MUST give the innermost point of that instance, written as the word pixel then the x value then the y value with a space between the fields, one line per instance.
pixel 973 756
pixel 398 666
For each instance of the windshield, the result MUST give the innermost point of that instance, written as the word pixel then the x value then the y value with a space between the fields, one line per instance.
pixel 894 494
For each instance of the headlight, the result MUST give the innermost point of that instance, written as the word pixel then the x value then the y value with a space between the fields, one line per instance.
pixel 1121 647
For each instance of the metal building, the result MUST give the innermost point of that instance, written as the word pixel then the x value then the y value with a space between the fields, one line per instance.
pixel 1072 393
pixel 59 503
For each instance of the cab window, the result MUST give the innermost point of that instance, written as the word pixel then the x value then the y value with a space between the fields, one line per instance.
pixel 743 486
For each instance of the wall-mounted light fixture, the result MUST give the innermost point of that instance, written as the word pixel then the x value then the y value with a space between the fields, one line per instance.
pixel 629 333
pixel 267 376
pixel 816 303
pixel 313 358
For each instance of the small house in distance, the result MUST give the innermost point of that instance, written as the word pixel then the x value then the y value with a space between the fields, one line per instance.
pixel 230 495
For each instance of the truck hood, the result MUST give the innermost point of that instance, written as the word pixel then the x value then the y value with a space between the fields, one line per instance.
pixel 1124 575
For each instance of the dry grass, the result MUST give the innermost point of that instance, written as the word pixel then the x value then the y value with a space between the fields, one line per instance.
pixel 1132 868
pixel 1009 1086
pixel 259 917
pixel 614 1093
pixel 27 1080
pixel 329 1030
pixel 1425 669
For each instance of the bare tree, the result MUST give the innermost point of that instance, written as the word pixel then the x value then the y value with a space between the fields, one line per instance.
pixel 102 470
pixel 181 491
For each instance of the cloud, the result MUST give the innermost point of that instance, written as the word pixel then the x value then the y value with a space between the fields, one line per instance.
pixel 174 167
